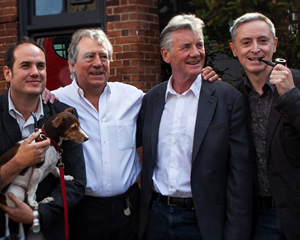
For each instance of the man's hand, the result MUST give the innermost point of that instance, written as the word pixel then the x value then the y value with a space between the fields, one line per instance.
pixel 21 213
pixel 28 154
pixel 282 78
pixel 210 75
pixel 31 153
pixel 47 96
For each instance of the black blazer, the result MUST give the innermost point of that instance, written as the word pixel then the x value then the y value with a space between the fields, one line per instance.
pixel 52 214
pixel 221 177
pixel 283 156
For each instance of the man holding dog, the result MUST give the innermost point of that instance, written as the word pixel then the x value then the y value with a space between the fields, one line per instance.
pixel 25 71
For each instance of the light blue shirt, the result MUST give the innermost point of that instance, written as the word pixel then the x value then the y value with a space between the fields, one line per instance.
pixel 112 163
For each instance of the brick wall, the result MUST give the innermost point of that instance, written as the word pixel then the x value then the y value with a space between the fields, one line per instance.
pixel 8 32
pixel 132 27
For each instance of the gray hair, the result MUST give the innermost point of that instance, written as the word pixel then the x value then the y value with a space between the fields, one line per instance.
pixel 249 17
pixel 182 21
pixel 93 33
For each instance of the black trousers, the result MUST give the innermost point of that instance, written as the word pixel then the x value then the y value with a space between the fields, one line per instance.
pixel 103 218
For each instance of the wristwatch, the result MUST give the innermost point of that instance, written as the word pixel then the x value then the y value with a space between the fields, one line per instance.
pixel 36 222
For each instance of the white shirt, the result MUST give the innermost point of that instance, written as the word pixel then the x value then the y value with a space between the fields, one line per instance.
pixel 172 172
pixel 26 127
pixel 111 161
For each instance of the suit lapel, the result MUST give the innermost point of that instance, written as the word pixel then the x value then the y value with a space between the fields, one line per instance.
pixel 206 108
pixel 158 105
pixel 47 111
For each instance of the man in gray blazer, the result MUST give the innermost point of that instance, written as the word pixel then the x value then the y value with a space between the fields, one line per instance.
pixel 196 172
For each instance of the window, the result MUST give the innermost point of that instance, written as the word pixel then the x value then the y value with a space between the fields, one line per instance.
pixel 51 23
pixel 40 16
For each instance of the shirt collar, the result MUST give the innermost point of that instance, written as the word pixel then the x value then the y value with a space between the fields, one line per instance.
pixel 81 92
pixel 39 113
pixel 248 85
pixel 195 88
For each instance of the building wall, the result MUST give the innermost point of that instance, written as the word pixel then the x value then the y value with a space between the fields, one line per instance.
pixel 132 27
pixel 8 32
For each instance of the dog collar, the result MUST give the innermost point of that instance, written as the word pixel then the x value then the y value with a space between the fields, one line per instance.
pixel 58 148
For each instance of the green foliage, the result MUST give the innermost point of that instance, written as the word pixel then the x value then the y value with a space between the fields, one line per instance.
pixel 218 16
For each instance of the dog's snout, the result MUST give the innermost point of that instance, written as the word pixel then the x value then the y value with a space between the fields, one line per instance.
pixel 85 137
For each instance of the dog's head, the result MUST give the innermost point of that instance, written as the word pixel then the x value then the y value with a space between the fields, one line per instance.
pixel 65 126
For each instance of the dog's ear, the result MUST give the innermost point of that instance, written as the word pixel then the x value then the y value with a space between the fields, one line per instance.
pixel 57 121
pixel 70 110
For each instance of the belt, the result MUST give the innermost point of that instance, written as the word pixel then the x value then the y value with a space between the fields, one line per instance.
pixel 174 201
pixel 266 202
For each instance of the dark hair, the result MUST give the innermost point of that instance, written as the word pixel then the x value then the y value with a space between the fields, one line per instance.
pixel 9 58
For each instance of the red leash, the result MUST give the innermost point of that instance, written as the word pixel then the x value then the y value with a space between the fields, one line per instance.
pixel 62 182
pixel 64 196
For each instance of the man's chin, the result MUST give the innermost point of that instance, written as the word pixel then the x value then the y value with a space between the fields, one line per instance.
pixel 35 91
pixel 254 69
pixel 195 71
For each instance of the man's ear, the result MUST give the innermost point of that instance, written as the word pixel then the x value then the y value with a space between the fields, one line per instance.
pixel 165 55
pixel 72 67
pixel 233 49
pixel 275 45
pixel 7 73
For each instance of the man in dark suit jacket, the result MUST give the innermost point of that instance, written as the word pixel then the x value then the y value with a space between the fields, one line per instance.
pixel 25 70
pixel 273 120
pixel 196 172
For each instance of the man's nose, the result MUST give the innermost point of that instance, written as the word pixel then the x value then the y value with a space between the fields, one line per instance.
pixel 34 70
pixel 195 51
pixel 255 47
pixel 97 61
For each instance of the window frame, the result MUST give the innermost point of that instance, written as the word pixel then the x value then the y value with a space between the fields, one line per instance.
pixel 38 26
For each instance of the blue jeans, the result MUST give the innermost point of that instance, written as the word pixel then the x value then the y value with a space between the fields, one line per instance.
pixel 172 223
pixel 267 226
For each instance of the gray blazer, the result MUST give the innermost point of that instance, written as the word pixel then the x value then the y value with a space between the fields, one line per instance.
pixel 221 177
